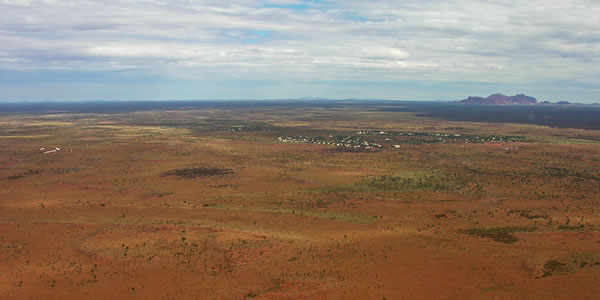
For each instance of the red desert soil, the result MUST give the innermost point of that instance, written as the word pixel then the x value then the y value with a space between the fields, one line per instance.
pixel 140 210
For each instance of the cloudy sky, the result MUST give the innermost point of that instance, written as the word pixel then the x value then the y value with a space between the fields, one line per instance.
pixel 257 49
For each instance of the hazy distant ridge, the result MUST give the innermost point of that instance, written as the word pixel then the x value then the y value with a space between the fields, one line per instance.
pixel 500 99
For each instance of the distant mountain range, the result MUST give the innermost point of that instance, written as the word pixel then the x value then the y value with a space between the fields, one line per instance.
pixel 500 99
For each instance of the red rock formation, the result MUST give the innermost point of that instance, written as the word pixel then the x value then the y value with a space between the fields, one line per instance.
pixel 501 99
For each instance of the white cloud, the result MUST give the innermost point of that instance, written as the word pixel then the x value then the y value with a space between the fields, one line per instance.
pixel 494 40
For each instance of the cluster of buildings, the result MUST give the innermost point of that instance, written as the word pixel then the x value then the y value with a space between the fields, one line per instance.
pixel 378 139
pixel 340 141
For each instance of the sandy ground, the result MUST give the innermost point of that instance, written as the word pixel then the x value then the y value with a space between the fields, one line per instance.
pixel 100 219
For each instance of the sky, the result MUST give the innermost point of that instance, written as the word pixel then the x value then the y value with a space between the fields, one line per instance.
pixel 278 49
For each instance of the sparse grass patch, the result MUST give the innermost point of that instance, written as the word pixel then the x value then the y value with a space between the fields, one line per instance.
pixel 331 215
pixel 554 266
pixel 571 228
pixel 191 173
pixel 564 140
pixel 23 175
pixel 406 181
pixel 498 234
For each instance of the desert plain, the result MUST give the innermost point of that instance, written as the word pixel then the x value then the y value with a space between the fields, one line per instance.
pixel 278 200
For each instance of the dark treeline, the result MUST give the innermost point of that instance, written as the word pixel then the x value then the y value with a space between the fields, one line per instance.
pixel 562 116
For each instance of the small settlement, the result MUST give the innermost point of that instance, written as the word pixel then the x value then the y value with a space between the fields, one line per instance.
pixel 383 139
